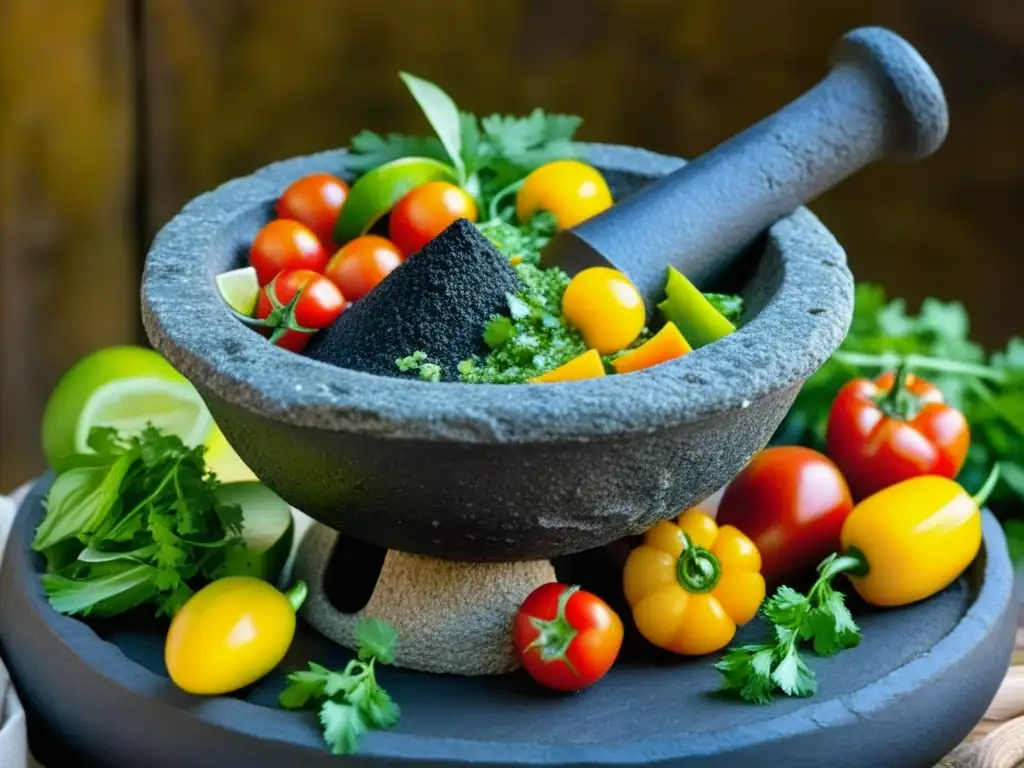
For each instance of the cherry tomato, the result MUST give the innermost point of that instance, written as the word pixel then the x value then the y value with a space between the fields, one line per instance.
pixel 361 264
pixel 881 433
pixel 426 212
pixel 605 307
pixel 315 201
pixel 285 244
pixel 292 326
pixel 792 503
pixel 566 639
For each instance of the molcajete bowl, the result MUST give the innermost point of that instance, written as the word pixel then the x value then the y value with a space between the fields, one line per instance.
pixel 492 472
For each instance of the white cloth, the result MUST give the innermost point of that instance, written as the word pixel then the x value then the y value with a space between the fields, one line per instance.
pixel 13 739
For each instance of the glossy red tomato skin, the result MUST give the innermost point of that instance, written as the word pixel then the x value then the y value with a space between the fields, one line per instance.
pixel 320 305
pixel 359 266
pixel 426 212
pixel 592 651
pixel 282 245
pixel 792 502
pixel 315 200
pixel 874 450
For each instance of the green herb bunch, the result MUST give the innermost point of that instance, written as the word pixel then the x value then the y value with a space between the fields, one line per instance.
pixel 489 154
pixel 350 702
pixel 135 523
pixel 934 343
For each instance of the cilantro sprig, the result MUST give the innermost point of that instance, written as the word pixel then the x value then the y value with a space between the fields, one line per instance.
pixel 934 343
pixel 820 617
pixel 488 153
pixel 351 702
pixel 137 522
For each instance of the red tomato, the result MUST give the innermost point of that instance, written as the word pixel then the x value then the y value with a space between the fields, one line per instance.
pixel 566 639
pixel 315 201
pixel 426 212
pixel 285 244
pixel 879 438
pixel 361 264
pixel 792 502
pixel 292 325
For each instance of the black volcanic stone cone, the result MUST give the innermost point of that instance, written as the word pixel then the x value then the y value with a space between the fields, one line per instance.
pixel 438 302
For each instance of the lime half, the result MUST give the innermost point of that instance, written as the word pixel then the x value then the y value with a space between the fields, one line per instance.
pixel 125 388
pixel 376 192
pixel 240 288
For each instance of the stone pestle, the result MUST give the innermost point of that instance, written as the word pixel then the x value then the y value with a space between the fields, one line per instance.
pixel 881 100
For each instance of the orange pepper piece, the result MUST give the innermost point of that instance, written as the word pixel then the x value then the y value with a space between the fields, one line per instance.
pixel 586 366
pixel 667 344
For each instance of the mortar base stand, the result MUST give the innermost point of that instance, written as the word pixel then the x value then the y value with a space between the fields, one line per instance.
pixel 451 617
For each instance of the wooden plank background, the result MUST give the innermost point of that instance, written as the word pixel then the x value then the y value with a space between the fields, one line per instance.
pixel 124 109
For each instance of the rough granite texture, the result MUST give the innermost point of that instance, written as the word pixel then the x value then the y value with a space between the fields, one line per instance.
pixel 881 101
pixel 915 687
pixel 451 617
pixel 527 472
pixel 437 301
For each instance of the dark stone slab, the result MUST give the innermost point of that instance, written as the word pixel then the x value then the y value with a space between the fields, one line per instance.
pixel 488 472
pixel 913 689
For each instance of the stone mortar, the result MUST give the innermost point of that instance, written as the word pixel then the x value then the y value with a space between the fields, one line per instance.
pixel 490 472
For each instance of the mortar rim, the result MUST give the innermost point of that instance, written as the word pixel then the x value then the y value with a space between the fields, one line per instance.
pixel 223 357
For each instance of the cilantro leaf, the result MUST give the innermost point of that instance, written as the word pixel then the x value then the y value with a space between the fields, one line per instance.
pixel 304 686
pixel 145 511
pixel 793 676
pixel 831 624
pixel 367 150
pixel 754 671
pixel 343 726
pixel 351 701
pixel 376 640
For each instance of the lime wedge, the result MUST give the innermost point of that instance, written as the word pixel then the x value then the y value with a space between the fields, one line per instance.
pixel 126 388
pixel 267 531
pixel 128 405
pixel 223 461
pixel 240 288
pixel 376 192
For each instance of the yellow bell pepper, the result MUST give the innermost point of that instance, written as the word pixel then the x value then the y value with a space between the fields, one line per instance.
pixel 568 189
pixel 912 539
pixel 230 633
pixel 691 583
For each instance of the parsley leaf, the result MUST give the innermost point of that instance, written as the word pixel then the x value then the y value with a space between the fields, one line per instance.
pixel 133 525
pixel 350 702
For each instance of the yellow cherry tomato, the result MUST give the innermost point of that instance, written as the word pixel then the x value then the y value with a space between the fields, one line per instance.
pixel 914 539
pixel 605 307
pixel 570 190
pixel 230 633
pixel 691 583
